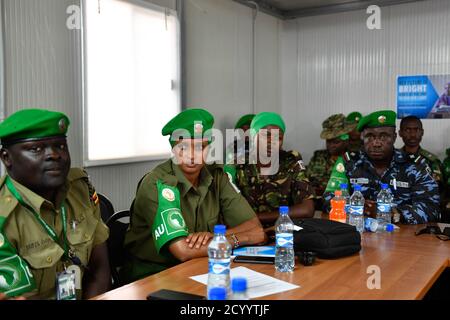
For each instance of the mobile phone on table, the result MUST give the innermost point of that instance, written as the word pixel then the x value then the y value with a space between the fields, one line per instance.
pixel 166 294
pixel 254 259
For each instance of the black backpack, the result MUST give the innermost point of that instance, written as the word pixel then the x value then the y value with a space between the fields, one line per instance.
pixel 328 239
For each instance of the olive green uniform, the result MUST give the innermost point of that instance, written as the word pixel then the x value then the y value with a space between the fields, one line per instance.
pixel 32 243
pixel 214 201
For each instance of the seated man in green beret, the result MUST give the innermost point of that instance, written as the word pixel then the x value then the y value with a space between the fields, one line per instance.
pixel 50 224
pixel 265 187
pixel 415 193
pixel 336 133
pixel 238 151
pixel 179 202
pixel 355 142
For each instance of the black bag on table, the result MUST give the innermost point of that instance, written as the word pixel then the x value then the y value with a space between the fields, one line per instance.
pixel 328 239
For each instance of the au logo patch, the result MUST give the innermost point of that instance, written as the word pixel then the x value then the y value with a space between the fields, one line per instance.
pixel 2 240
pixel 168 194
pixel 175 220
pixel 381 119
pixel 340 168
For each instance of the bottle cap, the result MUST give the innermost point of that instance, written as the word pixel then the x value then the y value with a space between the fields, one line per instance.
pixel 220 229
pixel 284 210
pixel 384 186
pixel 344 186
pixel 218 293
pixel 357 187
pixel 389 227
pixel 338 193
pixel 239 285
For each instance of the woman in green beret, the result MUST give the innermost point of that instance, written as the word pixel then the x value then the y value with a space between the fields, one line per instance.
pixel 179 202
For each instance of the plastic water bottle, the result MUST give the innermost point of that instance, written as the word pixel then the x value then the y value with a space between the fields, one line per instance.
pixel 284 253
pixel 346 197
pixel 218 293
pixel 375 225
pixel 357 209
pixel 239 289
pixel 337 212
pixel 384 204
pixel 219 253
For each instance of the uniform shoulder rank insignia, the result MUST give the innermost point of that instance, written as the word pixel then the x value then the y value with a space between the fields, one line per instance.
pixel 92 193
pixel 301 164
pixel 347 157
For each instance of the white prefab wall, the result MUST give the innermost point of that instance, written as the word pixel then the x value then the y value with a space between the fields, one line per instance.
pixel 219 60
pixel 43 70
pixel 335 64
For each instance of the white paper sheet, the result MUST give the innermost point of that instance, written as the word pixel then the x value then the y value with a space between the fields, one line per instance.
pixel 258 284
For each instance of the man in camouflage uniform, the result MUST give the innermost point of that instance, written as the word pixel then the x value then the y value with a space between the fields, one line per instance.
pixel 354 143
pixel 287 187
pixel 237 152
pixel 416 194
pixel 335 132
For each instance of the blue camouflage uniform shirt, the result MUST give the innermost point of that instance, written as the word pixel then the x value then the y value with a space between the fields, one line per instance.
pixel 416 193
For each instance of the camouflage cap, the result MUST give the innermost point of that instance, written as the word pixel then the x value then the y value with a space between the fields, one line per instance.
pixel 336 126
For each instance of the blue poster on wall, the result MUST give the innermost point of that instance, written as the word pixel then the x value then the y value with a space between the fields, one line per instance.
pixel 426 97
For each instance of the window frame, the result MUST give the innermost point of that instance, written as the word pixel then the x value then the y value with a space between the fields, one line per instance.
pixel 84 87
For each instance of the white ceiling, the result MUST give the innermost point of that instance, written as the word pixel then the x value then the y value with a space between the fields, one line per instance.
pixel 287 5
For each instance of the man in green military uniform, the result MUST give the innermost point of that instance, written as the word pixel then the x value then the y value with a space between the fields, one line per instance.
pixel 289 186
pixel 179 202
pixel 355 142
pixel 238 151
pixel 335 132
pixel 49 213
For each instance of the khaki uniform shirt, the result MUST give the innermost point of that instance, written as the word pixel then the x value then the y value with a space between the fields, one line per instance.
pixel 44 257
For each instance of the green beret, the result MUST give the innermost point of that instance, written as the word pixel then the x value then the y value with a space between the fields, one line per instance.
pixel 335 126
pixel 244 121
pixel 383 118
pixel 33 124
pixel 264 119
pixel 354 117
pixel 197 122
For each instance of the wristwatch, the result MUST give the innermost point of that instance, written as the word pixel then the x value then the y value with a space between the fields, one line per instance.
pixel 235 240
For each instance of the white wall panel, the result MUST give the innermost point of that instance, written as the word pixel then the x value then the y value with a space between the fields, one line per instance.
pixel 219 59
pixel 341 66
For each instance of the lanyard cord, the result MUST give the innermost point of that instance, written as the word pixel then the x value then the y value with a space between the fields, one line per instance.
pixel 41 221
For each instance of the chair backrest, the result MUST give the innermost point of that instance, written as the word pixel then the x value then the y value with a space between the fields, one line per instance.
pixel 118 224
pixel 106 207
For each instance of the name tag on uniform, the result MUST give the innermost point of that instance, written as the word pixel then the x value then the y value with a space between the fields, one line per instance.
pixel 359 181
pixel 399 184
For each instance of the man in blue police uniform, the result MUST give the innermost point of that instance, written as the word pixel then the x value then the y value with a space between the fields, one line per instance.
pixel 416 193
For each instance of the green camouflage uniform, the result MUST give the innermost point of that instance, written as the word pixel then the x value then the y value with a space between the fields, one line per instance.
pixel 319 170
pixel 321 164
pixel 286 188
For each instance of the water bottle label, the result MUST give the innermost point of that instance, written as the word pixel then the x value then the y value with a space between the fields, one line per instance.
pixel 357 210
pixel 219 266
pixel 285 240
pixel 384 207
pixel 347 208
